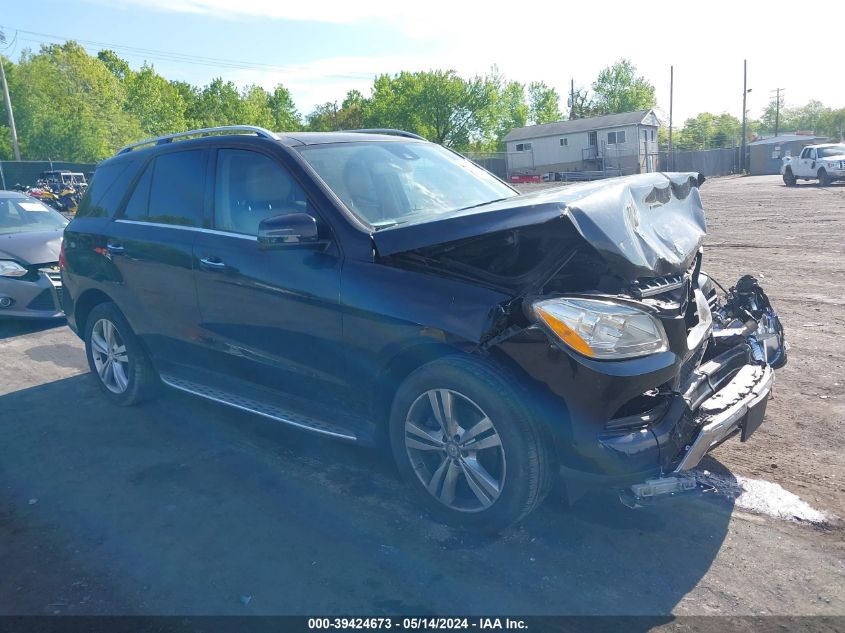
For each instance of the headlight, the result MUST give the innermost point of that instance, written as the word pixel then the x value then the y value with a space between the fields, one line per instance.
pixel 8 268
pixel 601 329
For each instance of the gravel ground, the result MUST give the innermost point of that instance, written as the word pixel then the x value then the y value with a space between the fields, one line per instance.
pixel 182 506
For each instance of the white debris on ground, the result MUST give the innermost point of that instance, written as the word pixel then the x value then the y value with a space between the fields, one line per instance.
pixel 763 497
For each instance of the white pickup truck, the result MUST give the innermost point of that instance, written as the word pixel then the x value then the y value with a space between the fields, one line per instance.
pixel 825 162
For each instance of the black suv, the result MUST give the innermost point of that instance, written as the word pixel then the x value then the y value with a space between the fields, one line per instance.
pixel 377 288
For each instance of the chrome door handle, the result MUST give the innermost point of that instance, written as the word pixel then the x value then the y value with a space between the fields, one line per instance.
pixel 212 262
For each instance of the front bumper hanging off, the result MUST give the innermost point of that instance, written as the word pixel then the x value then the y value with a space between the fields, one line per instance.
pixel 738 408
pixel 725 396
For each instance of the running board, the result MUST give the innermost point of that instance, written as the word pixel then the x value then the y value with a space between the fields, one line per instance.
pixel 259 408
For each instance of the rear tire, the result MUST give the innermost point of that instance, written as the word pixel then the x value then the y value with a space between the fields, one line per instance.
pixel 789 178
pixel 465 439
pixel 117 359
pixel 824 178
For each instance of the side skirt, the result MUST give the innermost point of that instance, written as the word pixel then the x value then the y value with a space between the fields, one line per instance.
pixel 264 409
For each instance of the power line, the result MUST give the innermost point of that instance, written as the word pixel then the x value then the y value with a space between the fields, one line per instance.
pixel 184 58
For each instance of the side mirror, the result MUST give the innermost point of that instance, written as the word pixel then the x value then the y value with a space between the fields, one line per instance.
pixel 287 230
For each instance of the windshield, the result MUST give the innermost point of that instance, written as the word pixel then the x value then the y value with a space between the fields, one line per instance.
pixel 833 150
pixel 23 215
pixel 390 182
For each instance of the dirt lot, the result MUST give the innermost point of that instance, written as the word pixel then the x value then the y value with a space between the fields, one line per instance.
pixel 185 507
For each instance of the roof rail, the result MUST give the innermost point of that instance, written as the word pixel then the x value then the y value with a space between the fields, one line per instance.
pixel 387 130
pixel 161 140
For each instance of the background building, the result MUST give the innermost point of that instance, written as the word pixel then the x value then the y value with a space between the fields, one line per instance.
pixel 623 143
pixel 766 153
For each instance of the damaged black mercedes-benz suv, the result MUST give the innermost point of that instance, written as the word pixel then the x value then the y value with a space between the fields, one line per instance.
pixel 377 288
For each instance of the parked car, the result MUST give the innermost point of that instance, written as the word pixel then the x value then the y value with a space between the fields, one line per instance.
pixel 380 289
pixel 62 178
pixel 825 163
pixel 30 239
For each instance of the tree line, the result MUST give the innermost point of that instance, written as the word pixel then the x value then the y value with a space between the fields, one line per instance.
pixel 70 105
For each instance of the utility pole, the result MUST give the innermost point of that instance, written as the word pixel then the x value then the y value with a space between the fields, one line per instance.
pixel 8 101
pixel 572 113
pixel 671 97
pixel 745 92
pixel 777 92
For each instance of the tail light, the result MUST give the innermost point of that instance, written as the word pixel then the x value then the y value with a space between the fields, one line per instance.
pixel 62 261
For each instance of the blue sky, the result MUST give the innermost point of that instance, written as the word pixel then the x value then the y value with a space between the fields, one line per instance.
pixel 322 49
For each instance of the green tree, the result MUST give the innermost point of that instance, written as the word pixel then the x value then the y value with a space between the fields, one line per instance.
pixel 437 104
pixel 708 131
pixel 255 108
pixel 190 96
pixel 323 118
pixel 543 103
pixel 832 124
pixel 813 117
pixel 218 103
pixel 507 110
pixel 6 152
pixel 69 105
pixel 155 103
pixel 116 65
pixel 583 106
pixel 285 115
pixel 618 89
pixel 328 117
pixel 351 113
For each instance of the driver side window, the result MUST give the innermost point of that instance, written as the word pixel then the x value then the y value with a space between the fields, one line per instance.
pixel 251 187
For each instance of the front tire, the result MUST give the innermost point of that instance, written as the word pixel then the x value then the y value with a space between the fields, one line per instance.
pixel 466 441
pixel 117 360
pixel 789 178
pixel 824 178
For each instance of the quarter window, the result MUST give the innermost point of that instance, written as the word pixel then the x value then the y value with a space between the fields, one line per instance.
pixel 107 190
pixel 136 208
pixel 251 187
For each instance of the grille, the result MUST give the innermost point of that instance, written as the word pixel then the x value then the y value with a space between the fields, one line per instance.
pixel 658 285
pixel 44 301
pixel 54 275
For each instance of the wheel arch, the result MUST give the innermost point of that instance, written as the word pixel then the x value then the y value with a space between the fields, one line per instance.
pixel 401 365
pixel 86 302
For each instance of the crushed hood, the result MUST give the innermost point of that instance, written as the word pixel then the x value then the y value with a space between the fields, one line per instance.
pixel 646 225
pixel 39 247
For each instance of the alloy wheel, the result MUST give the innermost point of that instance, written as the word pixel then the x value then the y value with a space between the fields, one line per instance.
pixel 111 359
pixel 455 450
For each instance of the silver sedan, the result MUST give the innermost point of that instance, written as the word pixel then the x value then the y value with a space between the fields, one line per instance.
pixel 30 241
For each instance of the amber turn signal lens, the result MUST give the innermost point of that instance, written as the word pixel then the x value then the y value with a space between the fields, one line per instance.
pixel 566 333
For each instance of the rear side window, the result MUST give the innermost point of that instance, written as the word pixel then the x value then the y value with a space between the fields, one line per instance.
pixel 136 208
pixel 171 190
pixel 107 190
